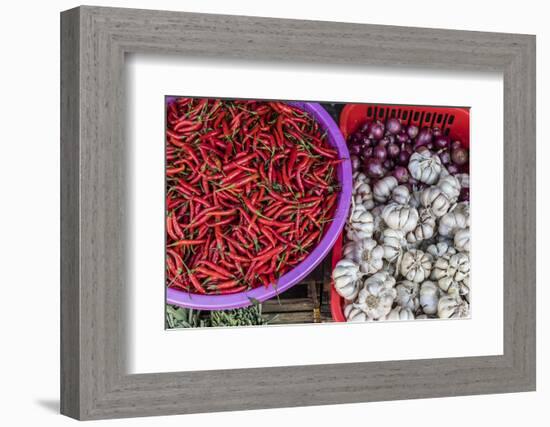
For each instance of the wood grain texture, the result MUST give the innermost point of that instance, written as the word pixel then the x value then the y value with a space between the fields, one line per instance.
pixel 70 292
pixel 94 240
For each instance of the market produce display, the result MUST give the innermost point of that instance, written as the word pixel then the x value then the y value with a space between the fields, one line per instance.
pixel 178 317
pixel 406 252
pixel 250 188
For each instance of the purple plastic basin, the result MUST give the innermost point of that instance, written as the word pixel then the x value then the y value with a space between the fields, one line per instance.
pixel 262 293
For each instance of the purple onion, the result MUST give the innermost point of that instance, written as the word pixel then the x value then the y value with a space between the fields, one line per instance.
pixel 437 132
pixel 456 144
pixel 442 141
pixel 412 131
pixel 390 137
pixel 377 131
pixel 401 174
pixel 393 125
pixel 355 149
pixel 364 128
pixel 365 141
pixel 366 152
pixel 393 150
pixel 403 158
pixel 384 141
pixel 445 157
pixel 404 155
pixel 453 169
pixel 355 137
pixel 389 164
pixel 374 168
pixel 380 152
pixel 402 138
pixel 424 137
pixel 459 156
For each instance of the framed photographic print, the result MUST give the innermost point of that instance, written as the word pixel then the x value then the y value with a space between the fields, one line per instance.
pixel 258 192
pixel 347 209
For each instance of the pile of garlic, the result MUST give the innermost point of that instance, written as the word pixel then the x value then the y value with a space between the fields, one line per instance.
pixel 407 252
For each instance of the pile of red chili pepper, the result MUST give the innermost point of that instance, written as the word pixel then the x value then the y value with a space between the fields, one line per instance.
pixel 251 186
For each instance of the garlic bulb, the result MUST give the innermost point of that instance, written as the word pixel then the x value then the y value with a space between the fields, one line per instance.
pixel 346 277
pixel 391 267
pixel 451 222
pixel 416 265
pixel 464 209
pixel 382 190
pixel 401 194
pixel 450 186
pixel 449 271
pixel 400 217
pixel 425 166
pixel 429 297
pixel 362 192
pixel 354 314
pixel 392 242
pixel 452 306
pixel 377 295
pixel 400 313
pixel 379 224
pixel 361 224
pixel 425 228
pixel 441 249
pixel 366 253
pixel 444 239
pixel 464 290
pixel 462 239
pixel 407 295
pixel 414 201
pixel 433 199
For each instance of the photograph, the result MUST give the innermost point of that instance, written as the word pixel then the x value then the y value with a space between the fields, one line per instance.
pixel 263 210
pixel 292 212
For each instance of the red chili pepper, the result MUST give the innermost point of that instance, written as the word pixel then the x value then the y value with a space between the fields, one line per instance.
pixel 196 284
pixel 272 222
pixel 268 254
pixel 189 128
pixel 169 228
pixel 233 290
pixel 220 223
pixel 228 284
pixel 211 274
pixel 231 176
pixel 245 180
pixel 283 108
pixel 187 242
pixel 252 224
pixel 196 223
pixel 309 240
pixel 216 268
pixel 176 227
pixel 221 212
pixel 175 171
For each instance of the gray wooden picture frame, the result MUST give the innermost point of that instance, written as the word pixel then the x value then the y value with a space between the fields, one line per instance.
pixel 94 382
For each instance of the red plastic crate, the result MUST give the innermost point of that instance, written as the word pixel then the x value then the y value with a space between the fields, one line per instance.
pixel 454 121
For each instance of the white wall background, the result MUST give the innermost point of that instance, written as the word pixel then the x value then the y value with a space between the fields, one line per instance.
pixel 29 213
